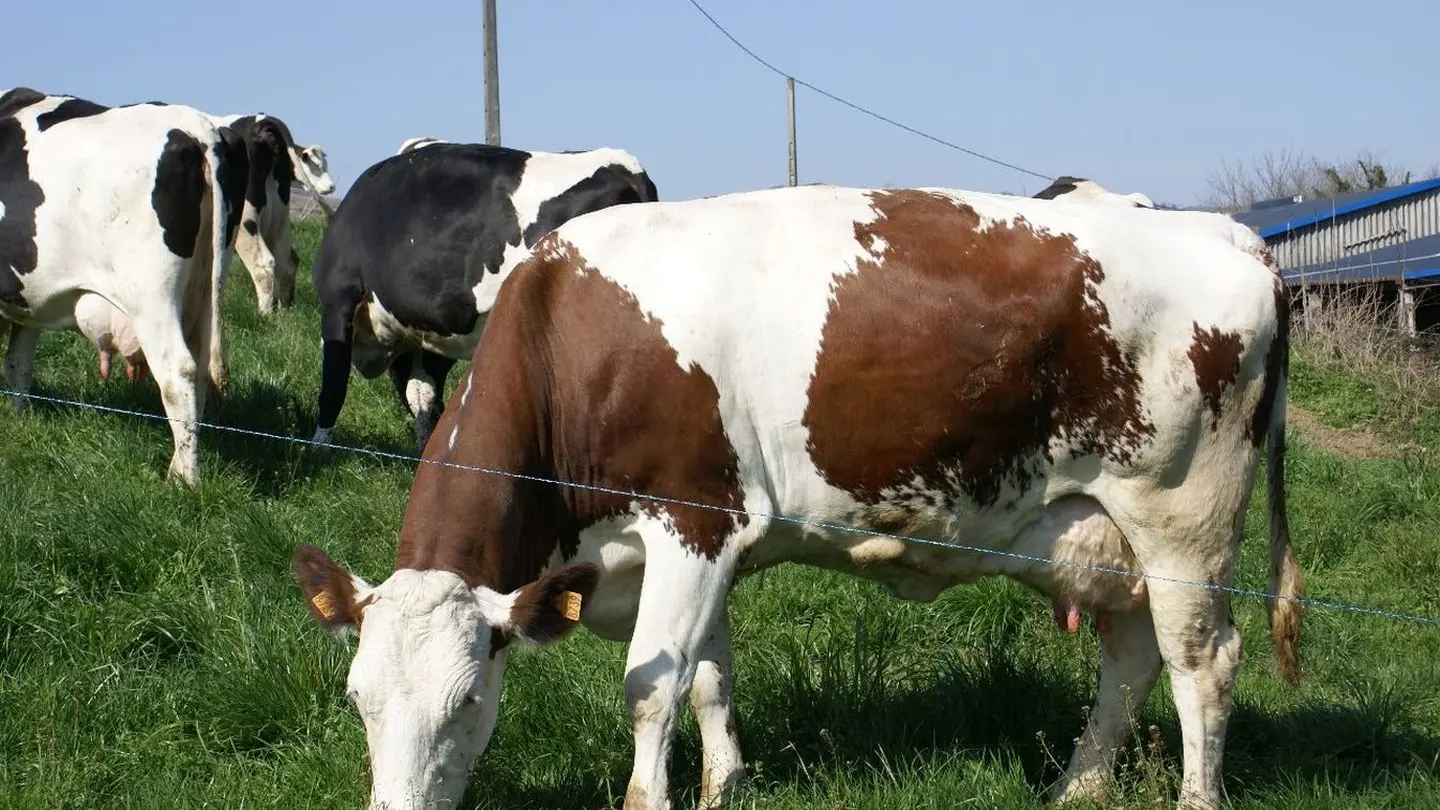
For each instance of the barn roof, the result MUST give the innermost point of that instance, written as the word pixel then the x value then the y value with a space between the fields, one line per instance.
pixel 1270 222
pixel 1418 259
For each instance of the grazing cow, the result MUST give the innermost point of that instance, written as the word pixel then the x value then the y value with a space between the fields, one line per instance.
pixel 1078 188
pixel 411 264
pixel 264 244
pixel 1085 383
pixel 132 206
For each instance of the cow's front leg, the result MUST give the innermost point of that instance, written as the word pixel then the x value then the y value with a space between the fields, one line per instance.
pixel 20 363
pixel 711 697
pixel 681 599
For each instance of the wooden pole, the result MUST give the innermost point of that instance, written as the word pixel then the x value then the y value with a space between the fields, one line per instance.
pixel 492 78
pixel 790 124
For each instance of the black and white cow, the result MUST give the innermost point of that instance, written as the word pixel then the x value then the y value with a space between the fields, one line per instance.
pixel 1079 188
pixel 276 162
pixel 263 244
pixel 132 206
pixel 415 255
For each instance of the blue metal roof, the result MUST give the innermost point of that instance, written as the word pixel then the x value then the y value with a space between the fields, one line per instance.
pixel 1275 221
pixel 1418 258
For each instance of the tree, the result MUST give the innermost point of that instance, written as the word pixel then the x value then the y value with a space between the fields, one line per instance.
pixel 1235 186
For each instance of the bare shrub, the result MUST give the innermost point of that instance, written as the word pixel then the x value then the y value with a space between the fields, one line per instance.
pixel 1357 332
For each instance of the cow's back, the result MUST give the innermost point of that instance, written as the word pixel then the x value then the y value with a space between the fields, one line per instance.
pixel 431 232
pixel 862 348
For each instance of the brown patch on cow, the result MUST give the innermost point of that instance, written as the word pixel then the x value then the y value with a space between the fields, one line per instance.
pixel 571 382
pixel 1277 363
pixel 1216 358
pixel 635 416
pixel 328 589
pixel 966 349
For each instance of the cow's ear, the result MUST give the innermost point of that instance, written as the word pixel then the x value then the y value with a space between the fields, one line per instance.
pixel 336 598
pixel 547 608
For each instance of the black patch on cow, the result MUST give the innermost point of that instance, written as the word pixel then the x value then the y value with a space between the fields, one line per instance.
pixel 17 98
pixel 20 196
pixel 179 190
pixel 1062 185
pixel 267 140
pixel 608 186
pixel 233 167
pixel 251 227
pixel 69 110
pixel 420 229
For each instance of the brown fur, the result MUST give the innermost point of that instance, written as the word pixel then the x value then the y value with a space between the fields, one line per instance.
pixel 321 577
pixel 1216 358
pixel 535 616
pixel 1005 346
pixel 612 409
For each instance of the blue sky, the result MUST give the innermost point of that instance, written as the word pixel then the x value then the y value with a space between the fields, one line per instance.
pixel 1139 96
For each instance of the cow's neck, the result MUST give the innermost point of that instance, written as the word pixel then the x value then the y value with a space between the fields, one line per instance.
pixel 492 529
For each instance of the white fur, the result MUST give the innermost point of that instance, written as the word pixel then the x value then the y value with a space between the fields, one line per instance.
pixel 100 241
pixel 412 144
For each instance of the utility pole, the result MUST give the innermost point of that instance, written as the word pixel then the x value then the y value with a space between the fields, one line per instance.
pixel 790 123
pixel 492 78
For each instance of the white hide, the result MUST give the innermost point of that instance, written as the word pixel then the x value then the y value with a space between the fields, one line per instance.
pixel 97 232
pixel 411 144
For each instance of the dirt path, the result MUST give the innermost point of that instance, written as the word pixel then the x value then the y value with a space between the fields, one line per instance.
pixel 1357 442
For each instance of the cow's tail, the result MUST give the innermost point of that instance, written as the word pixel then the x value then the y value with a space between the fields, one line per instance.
pixel 1287 583
pixel 220 165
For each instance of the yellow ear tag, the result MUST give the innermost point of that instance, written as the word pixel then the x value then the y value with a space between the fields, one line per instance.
pixel 568 603
pixel 324 603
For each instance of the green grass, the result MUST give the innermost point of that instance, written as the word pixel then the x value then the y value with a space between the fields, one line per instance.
pixel 154 652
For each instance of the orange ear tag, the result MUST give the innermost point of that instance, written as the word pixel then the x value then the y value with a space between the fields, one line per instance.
pixel 568 603
pixel 324 603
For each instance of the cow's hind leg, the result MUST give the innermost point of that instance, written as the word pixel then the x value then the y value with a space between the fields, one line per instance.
pixel 177 373
pixel 1129 664
pixel 20 363
pixel 681 599
pixel 711 697
pixel 1197 641
pixel 419 380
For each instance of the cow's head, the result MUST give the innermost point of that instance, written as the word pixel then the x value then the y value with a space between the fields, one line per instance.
pixel 313 168
pixel 423 678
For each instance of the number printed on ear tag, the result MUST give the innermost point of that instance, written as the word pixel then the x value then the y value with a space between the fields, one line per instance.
pixel 568 603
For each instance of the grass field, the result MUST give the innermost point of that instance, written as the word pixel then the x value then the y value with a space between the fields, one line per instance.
pixel 155 653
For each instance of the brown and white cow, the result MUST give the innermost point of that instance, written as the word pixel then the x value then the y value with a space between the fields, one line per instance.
pixel 1088 383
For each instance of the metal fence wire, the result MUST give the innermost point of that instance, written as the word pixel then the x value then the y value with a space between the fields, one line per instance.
pixel 1308 602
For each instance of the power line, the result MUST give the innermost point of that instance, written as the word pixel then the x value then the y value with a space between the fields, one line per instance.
pixel 830 526
pixel 852 105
